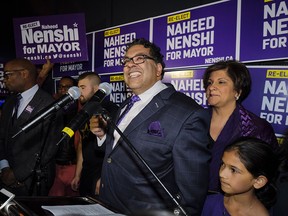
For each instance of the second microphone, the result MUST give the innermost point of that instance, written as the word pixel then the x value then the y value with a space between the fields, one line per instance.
pixel 87 111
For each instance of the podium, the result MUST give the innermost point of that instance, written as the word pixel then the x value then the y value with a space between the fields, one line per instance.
pixel 32 206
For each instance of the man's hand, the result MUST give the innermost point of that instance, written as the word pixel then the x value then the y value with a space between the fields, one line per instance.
pixel 75 183
pixel 46 68
pixel 97 188
pixel 43 73
pixel 98 126
pixel 8 177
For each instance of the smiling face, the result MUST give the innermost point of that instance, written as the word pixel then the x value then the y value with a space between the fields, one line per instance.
pixel 140 77
pixel 220 91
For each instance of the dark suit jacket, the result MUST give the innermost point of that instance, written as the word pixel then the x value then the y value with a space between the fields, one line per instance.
pixel 172 135
pixel 22 150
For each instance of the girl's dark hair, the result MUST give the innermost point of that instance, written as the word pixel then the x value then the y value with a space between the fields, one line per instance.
pixel 259 159
pixel 155 51
pixel 238 73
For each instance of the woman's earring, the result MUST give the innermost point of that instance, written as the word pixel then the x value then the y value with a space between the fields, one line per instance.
pixel 237 97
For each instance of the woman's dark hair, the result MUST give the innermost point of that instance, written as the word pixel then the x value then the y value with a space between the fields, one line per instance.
pixel 238 73
pixel 155 51
pixel 259 159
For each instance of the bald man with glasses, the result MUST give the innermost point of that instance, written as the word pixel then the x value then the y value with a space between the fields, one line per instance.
pixel 21 173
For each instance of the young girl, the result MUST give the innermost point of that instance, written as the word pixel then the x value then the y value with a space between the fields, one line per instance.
pixel 247 174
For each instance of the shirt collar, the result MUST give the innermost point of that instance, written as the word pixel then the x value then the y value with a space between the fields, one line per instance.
pixel 30 92
pixel 154 90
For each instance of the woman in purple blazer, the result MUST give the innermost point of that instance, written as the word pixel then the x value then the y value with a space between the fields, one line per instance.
pixel 227 84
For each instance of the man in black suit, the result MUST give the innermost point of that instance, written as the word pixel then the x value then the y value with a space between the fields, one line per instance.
pixel 89 154
pixel 27 160
pixel 171 133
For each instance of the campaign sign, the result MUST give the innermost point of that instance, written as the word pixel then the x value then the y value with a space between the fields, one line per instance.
pixel 3 90
pixel 120 91
pixel 189 82
pixel 61 38
pixel 110 45
pixel 264 30
pixel 197 37
pixel 75 68
pixel 269 96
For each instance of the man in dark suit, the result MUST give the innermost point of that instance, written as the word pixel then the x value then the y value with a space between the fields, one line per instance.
pixel 27 160
pixel 171 133
pixel 89 154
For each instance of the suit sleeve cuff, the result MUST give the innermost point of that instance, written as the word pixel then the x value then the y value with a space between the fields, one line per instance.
pixel 3 164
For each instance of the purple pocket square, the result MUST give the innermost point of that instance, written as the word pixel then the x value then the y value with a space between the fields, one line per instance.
pixel 155 129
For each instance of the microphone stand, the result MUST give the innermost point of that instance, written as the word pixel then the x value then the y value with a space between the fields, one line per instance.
pixel 32 123
pixel 114 126
pixel 36 172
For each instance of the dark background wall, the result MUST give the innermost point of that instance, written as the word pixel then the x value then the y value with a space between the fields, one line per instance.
pixel 99 14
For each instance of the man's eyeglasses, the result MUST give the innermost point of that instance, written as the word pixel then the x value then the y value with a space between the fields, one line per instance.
pixel 64 87
pixel 138 59
pixel 10 73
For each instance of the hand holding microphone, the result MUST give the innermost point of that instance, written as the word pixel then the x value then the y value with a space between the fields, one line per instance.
pixel 97 126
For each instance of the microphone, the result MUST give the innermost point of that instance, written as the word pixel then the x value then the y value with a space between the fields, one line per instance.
pixel 87 111
pixel 72 95
pixel 104 90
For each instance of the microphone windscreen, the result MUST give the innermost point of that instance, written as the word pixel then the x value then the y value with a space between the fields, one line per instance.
pixel 74 92
pixel 106 87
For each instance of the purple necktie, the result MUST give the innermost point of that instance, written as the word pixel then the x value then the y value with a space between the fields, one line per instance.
pixel 133 100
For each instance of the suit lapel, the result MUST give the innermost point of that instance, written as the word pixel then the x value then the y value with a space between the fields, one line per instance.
pixel 30 110
pixel 152 107
pixel 157 103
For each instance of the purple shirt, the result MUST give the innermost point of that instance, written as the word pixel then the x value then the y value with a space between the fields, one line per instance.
pixel 214 206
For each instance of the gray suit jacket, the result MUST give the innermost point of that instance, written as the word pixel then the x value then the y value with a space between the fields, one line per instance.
pixel 21 152
pixel 172 135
